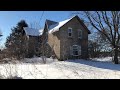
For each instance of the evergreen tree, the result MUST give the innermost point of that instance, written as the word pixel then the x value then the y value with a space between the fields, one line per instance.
pixel 15 43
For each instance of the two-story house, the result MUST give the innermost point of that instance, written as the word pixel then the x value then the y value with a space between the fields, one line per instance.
pixel 66 39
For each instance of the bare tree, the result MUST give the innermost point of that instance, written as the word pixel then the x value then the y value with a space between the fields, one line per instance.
pixel 108 24
pixel 98 46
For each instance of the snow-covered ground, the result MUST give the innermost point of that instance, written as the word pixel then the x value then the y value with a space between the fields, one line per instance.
pixel 71 69
pixel 103 59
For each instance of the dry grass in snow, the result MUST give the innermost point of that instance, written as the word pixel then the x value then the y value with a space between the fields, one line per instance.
pixel 53 69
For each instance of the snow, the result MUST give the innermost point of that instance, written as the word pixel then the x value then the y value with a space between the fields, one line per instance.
pixel 103 59
pixel 40 31
pixel 32 31
pixel 70 69
pixel 52 28
pixel 37 60
pixel 56 27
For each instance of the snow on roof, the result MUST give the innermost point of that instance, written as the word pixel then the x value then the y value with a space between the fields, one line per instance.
pixel 52 26
pixel 40 31
pixel 32 31
pixel 55 27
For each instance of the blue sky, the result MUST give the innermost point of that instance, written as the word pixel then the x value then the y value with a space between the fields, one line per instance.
pixel 9 19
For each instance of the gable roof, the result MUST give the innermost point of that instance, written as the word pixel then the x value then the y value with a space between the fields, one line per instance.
pixel 52 27
pixel 82 23
pixel 32 31
pixel 56 26
pixel 50 23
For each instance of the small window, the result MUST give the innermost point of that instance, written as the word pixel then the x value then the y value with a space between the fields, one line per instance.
pixel 69 32
pixel 80 34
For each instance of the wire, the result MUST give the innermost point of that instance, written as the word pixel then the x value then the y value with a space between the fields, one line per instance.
pixel 41 16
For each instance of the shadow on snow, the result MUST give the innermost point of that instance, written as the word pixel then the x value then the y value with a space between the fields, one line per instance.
pixel 98 64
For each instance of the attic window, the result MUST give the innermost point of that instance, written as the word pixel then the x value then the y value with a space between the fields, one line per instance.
pixel 69 32
pixel 80 34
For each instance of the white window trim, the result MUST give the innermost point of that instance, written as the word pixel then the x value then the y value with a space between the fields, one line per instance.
pixel 68 32
pixel 79 50
pixel 80 36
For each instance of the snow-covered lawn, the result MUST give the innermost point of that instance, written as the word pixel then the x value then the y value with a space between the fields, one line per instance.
pixel 71 69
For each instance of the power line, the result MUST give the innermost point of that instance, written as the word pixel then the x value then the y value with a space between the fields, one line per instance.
pixel 41 16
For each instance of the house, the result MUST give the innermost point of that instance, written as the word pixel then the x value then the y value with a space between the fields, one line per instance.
pixel 67 39
pixel 32 38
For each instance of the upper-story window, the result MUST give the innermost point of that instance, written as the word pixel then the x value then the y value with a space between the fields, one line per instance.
pixel 69 32
pixel 80 34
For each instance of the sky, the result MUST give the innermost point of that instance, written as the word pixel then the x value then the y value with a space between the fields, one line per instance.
pixel 9 19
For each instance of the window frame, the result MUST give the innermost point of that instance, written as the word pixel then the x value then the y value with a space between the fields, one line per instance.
pixel 70 32
pixel 78 49
pixel 79 33
pixel 75 48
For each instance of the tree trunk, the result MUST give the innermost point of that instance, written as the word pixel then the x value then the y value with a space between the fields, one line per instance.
pixel 116 56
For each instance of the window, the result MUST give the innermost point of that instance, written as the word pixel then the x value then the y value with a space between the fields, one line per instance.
pixel 80 34
pixel 75 50
pixel 69 32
